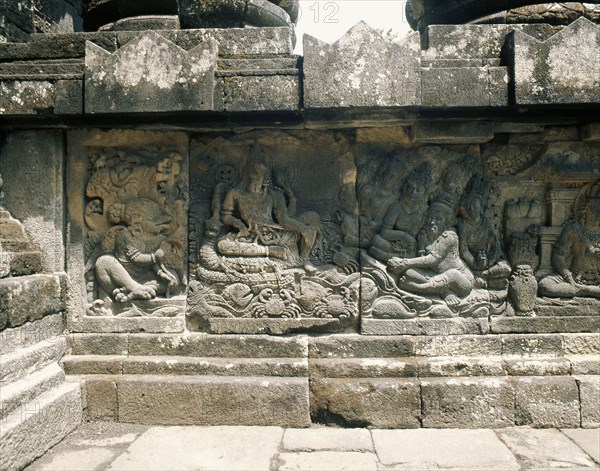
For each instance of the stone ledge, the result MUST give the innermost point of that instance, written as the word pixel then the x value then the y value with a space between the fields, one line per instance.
pixel 128 324
pixel 458 326
pixel 535 325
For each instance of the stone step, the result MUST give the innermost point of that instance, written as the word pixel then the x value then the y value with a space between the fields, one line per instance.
pixel 467 402
pixel 20 363
pixel 198 400
pixel 448 366
pixel 30 333
pixel 180 365
pixel 399 346
pixel 190 344
pixel 17 393
pixel 41 423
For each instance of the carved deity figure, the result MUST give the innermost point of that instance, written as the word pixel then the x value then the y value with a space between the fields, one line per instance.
pixel 478 241
pixel 576 253
pixel 261 217
pixel 403 219
pixel 132 267
pixel 440 271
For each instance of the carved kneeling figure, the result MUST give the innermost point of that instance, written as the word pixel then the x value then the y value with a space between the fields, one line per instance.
pixel 135 268
pixel 440 271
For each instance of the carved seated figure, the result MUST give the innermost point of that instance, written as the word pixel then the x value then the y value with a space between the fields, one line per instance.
pixel 133 268
pixel 403 219
pixel 478 241
pixel 265 227
pixel 576 253
pixel 440 271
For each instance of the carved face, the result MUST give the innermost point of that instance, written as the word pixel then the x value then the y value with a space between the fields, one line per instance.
pixel 256 177
pixel 435 222
pixel 147 215
pixel 472 207
pixel 226 175
pixel 413 191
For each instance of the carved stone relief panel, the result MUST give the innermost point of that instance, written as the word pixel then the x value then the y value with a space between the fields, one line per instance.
pixel 133 216
pixel 449 234
pixel 273 233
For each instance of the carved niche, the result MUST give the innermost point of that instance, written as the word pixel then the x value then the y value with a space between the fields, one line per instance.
pixel 272 217
pixel 135 231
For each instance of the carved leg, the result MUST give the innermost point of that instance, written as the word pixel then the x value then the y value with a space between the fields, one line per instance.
pixel 111 276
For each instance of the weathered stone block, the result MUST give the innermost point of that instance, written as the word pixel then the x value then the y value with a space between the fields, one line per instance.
pixel 362 69
pixel 29 298
pixel 443 132
pixel 544 325
pixel 32 165
pixel 226 346
pixel 590 132
pixel 26 97
pixel 527 345
pixel 322 439
pixel 101 398
pixel 465 87
pixel 213 400
pixel 563 69
pixel 149 74
pixel 357 346
pixel 467 403
pixel 261 92
pixel 30 333
pixel 460 366
pixel 547 402
pixel 52 416
pixel 378 403
pixel 589 394
pixel 581 344
pixel 363 368
pixel 98 344
pixel 459 326
pixel 519 366
pixel 459 345
pixel 107 325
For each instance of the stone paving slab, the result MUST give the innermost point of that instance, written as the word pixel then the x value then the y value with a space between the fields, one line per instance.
pixel 320 439
pixel 328 460
pixel 104 446
pixel 202 448
pixel 544 449
pixel 587 439
pixel 426 449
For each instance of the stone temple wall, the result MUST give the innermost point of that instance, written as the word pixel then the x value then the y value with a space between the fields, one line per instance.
pixel 212 230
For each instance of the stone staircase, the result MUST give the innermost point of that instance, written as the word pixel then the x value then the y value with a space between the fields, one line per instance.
pixel 38 407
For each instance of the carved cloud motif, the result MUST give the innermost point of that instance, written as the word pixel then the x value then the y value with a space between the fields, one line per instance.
pixel 150 74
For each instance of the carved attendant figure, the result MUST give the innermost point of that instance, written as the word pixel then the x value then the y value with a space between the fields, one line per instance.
pixel 479 244
pixel 403 219
pixel 133 268
pixel 440 271
pixel 576 253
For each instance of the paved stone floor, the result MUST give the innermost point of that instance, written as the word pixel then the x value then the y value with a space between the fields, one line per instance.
pixel 109 446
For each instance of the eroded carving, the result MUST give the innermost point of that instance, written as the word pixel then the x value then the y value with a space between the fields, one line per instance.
pixel 135 221
pixel 576 253
pixel 262 255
